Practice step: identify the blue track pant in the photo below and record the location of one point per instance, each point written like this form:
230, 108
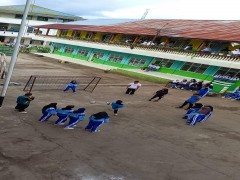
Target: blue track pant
93, 125
45, 116
70, 87
73, 122
62, 118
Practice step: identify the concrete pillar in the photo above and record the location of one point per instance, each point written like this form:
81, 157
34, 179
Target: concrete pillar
47, 32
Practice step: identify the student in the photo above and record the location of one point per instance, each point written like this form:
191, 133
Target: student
75, 117
117, 105
132, 87
96, 120
234, 95
195, 108
159, 94
194, 98
72, 85
197, 96
63, 114
23, 102
48, 111
200, 116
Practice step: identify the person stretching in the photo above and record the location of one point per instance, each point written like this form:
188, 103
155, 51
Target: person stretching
96, 120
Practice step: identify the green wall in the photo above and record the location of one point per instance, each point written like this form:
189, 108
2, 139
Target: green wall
207, 75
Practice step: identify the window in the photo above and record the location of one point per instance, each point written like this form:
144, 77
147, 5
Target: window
223, 71
186, 66
194, 67
57, 47
40, 18
202, 68
229, 72
99, 55
82, 52
163, 62
115, 58
20, 16
137, 62
69, 50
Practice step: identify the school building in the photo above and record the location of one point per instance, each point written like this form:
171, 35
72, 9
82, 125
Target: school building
139, 43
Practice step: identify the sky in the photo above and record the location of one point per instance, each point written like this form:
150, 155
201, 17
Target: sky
134, 9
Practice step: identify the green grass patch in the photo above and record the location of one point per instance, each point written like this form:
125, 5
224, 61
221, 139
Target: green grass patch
139, 76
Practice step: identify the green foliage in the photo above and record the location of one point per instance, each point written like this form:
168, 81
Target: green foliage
43, 49
139, 76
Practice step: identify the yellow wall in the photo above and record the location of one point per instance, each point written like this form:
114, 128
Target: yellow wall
69, 33
196, 43
164, 39
231, 48
98, 36
83, 34
117, 37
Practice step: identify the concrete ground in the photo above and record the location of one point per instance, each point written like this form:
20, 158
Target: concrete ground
146, 141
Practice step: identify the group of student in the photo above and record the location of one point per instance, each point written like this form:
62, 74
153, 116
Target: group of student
192, 84
225, 78
76, 116
235, 95
69, 117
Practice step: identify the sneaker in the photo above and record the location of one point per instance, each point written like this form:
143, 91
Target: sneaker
24, 112
115, 114
68, 128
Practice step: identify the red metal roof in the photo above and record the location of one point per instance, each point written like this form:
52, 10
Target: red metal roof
225, 30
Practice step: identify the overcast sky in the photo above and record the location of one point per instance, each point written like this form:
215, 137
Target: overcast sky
134, 9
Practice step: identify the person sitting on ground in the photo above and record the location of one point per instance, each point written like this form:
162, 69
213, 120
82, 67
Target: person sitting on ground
188, 47
182, 84
195, 108
132, 87
173, 84
159, 94
234, 95
116, 106
48, 111
75, 117
63, 114
23, 102
199, 116
72, 85
96, 120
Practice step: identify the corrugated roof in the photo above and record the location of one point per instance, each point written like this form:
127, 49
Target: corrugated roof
100, 22
195, 29
37, 11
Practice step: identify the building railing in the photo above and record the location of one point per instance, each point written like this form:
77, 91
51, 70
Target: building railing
174, 50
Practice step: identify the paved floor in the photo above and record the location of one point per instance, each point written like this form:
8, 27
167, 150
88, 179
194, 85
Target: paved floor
106, 67
146, 141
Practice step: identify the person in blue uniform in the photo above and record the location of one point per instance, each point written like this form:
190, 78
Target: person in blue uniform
75, 117
199, 116
195, 108
96, 120
48, 111
72, 85
63, 114
116, 106
197, 96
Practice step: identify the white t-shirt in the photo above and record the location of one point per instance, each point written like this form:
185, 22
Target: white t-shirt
134, 86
